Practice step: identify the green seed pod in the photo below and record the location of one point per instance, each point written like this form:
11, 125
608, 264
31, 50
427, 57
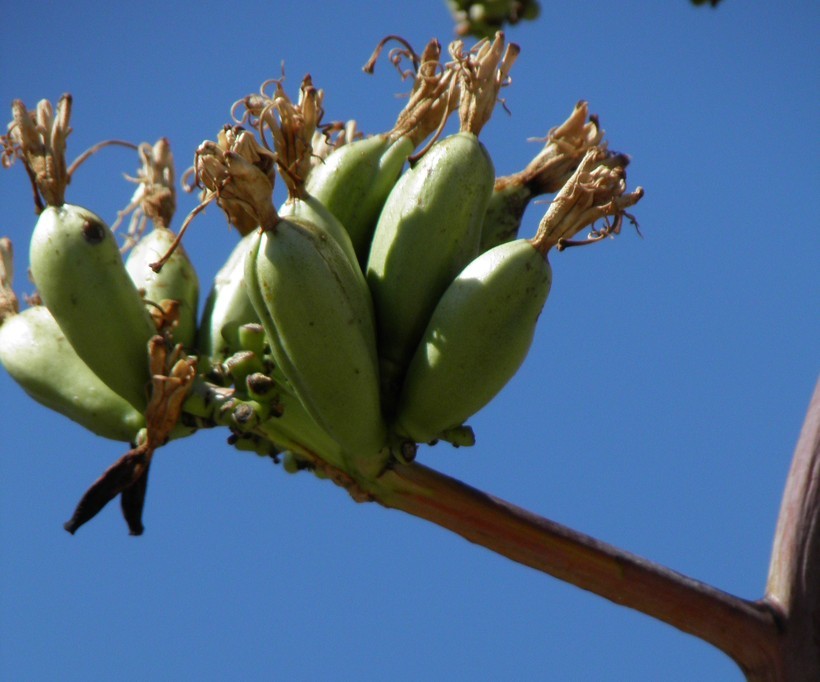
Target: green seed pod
505, 210
292, 127
476, 340
252, 338
298, 431
37, 355
177, 280
483, 325
319, 320
291, 463
228, 306
428, 231
354, 181
76, 265
309, 209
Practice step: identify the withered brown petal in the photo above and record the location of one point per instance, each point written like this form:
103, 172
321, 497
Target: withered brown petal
126, 471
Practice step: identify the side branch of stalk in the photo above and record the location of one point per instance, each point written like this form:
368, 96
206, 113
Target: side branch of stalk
774, 638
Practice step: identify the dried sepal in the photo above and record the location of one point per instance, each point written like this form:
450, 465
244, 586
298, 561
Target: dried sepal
9, 305
155, 196
38, 138
565, 146
482, 71
173, 374
330, 136
238, 173
595, 191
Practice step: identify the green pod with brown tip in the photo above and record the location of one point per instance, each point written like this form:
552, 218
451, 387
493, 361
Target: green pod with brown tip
318, 316
428, 231
37, 355
79, 273
477, 338
176, 281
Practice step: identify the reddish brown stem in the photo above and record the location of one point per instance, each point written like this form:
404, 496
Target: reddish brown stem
746, 631
774, 639
794, 575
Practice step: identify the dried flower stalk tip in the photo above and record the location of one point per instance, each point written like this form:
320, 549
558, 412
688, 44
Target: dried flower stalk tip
173, 374
431, 98
238, 173
565, 146
596, 190
38, 138
9, 305
155, 196
482, 72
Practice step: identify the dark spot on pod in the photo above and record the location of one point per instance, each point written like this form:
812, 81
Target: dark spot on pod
260, 384
243, 414
408, 451
93, 231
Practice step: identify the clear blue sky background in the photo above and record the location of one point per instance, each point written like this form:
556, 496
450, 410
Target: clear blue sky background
657, 410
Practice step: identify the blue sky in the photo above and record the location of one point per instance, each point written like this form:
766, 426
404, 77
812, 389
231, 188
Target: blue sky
657, 411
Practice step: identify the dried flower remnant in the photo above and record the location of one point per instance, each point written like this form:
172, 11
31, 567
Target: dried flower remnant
565, 146
236, 172
434, 92
482, 72
293, 127
172, 376
39, 139
330, 137
9, 304
155, 196
237, 154
595, 191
